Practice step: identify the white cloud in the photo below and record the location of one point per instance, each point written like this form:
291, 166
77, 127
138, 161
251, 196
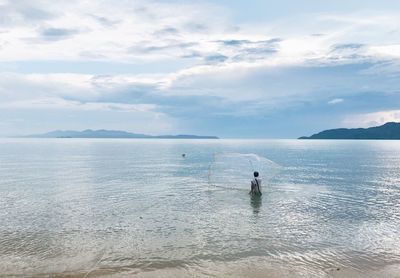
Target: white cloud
59, 103
335, 101
386, 50
129, 31
118, 31
372, 119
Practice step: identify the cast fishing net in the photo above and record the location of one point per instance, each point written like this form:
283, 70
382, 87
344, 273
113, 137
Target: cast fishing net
235, 170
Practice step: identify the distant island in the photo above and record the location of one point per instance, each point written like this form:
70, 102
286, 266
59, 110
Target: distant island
102, 133
388, 131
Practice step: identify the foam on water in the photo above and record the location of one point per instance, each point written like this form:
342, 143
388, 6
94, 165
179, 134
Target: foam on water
123, 207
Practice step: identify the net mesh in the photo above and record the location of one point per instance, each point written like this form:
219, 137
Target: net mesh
235, 170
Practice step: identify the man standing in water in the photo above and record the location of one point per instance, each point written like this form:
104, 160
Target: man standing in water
256, 185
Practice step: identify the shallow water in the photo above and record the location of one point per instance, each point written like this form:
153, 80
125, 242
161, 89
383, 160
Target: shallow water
71, 207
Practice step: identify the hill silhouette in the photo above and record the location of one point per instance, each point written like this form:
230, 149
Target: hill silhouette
102, 133
388, 131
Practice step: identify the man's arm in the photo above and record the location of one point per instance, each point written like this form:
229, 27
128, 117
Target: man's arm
251, 187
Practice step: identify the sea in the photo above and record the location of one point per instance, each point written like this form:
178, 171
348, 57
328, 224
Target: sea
138, 208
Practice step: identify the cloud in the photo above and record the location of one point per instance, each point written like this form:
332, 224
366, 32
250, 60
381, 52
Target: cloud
167, 31
389, 51
20, 13
234, 42
104, 20
167, 49
276, 83
256, 89
60, 103
348, 46
144, 30
217, 58
335, 101
372, 119
56, 34
119, 32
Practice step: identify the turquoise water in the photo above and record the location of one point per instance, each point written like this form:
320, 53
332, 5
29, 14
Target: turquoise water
76, 207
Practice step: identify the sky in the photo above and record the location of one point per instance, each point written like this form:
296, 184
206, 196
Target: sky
234, 69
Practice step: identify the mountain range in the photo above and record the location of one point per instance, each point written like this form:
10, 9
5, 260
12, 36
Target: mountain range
102, 133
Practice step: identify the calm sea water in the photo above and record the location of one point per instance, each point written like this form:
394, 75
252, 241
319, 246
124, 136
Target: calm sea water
91, 207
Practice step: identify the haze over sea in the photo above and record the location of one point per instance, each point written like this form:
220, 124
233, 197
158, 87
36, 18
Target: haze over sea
117, 207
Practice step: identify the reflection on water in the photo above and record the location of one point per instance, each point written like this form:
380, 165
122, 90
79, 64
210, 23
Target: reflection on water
128, 207
256, 203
